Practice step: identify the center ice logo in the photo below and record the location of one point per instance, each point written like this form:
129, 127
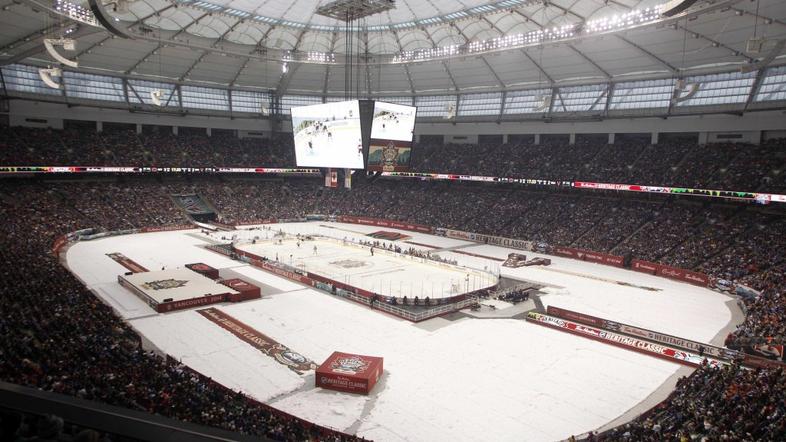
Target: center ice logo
164, 284
350, 365
349, 263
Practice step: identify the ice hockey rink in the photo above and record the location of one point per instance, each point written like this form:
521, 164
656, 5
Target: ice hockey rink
465, 379
385, 272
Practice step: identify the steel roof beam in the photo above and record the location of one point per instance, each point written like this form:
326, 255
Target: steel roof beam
142, 60
649, 54
755, 87
406, 65
185, 28
286, 78
93, 46
714, 42
239, 72
444, 64
758, 16
485, 61
152, 14
565, 11
592, 62
222, 36
193, 65
327, 68
33, 36
540, 68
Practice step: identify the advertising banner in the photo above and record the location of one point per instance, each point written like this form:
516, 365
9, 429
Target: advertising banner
167, 228
384, 223
662, 338
619, 340
589, 256
283, 355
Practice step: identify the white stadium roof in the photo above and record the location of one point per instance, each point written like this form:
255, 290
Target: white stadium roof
422, 47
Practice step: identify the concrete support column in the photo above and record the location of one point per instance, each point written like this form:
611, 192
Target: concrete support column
174, 130
537, 139
138, 128
654, 139
209, 131
572, 139
703, 137
611, 138
756, 137
99, 126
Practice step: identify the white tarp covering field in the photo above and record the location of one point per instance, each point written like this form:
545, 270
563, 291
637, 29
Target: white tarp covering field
462, 380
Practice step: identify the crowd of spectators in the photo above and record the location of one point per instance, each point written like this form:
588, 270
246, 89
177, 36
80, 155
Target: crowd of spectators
57, 336
729, 403
673, 161
20, 146
64, 339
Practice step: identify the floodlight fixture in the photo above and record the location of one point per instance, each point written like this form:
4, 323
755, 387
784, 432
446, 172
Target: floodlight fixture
450, 111
680, 88
542, 103
155, 96
46, 75
69, 44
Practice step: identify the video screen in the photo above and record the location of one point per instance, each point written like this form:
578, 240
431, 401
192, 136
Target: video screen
390, 148
393, 122
328, 135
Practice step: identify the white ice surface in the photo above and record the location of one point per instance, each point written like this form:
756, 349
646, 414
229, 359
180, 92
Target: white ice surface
469, 380
386, 273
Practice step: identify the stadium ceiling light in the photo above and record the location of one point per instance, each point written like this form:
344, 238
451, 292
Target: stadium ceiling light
542, 103
46, 75
155, 97
69, 44
450, 111
616, 22
680, 87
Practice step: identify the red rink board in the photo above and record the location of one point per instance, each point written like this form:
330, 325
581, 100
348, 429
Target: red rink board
349, 373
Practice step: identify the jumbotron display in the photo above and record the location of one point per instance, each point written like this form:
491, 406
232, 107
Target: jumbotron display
392, 131
328, 135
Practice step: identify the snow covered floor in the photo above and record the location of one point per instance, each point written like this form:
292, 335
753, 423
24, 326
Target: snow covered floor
465, 380
675, 308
